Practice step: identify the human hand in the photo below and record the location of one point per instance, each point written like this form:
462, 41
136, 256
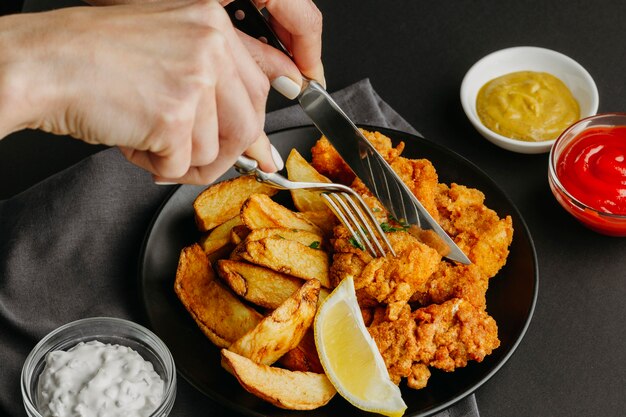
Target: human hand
298, 24
170, 83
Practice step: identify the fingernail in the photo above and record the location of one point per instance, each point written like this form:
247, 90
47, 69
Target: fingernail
286, 86
164, 183
278, 160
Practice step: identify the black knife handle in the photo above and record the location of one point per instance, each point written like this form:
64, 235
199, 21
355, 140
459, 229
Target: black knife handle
248, 19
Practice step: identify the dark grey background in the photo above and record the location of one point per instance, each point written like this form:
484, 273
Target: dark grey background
572, 360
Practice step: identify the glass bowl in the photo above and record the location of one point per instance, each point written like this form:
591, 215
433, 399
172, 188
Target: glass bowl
106, 330
526, 58
597, 220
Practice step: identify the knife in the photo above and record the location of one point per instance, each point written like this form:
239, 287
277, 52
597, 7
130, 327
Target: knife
347, 139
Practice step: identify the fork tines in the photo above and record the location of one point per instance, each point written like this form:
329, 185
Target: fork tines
357, 217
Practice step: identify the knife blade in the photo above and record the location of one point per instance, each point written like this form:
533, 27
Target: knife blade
347, 139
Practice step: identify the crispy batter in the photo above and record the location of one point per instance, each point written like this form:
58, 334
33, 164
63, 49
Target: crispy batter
327, 161
421, 178
454, 281
476, 229
453, 333
389, 280
444, 336
397, 343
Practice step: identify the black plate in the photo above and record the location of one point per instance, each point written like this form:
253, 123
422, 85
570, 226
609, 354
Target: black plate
510, 300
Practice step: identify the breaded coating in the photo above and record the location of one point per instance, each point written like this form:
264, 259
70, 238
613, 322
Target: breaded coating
421, 178
397, 343
327, 161
452, 326
453, 333
476, 229
389, 280
452, 280
383, 145
445, 336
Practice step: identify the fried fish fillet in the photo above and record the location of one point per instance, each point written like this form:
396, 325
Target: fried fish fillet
327, 161
444, 336
476, 229
421, 178
388, 280
454, 281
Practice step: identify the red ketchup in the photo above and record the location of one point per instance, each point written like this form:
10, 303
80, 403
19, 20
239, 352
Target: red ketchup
593, 168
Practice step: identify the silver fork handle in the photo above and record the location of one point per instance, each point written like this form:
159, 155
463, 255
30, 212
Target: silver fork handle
249, 166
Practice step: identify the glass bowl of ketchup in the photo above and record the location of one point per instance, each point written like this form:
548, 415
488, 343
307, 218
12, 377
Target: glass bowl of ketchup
587, 172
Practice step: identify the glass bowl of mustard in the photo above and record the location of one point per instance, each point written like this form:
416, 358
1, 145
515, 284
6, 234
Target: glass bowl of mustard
587, 172
101, 366
523, 98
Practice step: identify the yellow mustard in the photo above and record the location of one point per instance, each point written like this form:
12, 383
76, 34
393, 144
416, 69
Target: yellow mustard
527, 105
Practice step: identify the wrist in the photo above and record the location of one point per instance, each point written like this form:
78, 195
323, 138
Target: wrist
22, 98
11, 81
29, 90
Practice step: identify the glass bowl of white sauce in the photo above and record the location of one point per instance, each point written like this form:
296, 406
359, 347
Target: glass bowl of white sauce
100, 366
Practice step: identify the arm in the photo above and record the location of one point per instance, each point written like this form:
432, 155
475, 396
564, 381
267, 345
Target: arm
169, 83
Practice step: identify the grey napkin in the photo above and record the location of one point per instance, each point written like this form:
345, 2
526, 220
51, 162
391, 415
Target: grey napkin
69, 249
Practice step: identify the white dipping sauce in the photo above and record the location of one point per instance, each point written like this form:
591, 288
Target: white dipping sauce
94, 379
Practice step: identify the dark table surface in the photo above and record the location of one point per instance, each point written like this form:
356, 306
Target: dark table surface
573, 358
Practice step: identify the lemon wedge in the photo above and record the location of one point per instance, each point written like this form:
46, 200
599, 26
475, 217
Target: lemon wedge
350, 357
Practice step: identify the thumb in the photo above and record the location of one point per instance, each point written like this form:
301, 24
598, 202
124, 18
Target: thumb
278, 67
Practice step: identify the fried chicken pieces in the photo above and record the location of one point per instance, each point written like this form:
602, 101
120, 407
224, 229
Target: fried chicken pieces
422, 310
445, 336
389, 280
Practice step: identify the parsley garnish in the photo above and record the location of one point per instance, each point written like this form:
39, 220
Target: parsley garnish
389, 228
315, 245
356, 243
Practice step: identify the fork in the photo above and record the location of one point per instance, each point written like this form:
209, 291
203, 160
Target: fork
343, 201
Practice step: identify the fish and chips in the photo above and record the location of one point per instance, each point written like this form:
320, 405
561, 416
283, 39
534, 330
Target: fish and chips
255, 280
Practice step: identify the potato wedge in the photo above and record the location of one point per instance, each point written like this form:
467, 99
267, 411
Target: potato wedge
288, 257
280, 387
298, 169
217, 243
283, 329
259, 211
303, 357
220, 236
325, 220
213, 245
235, 255
257, 284
222, 253
238, 234
221, 316
223, 201
309, 239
